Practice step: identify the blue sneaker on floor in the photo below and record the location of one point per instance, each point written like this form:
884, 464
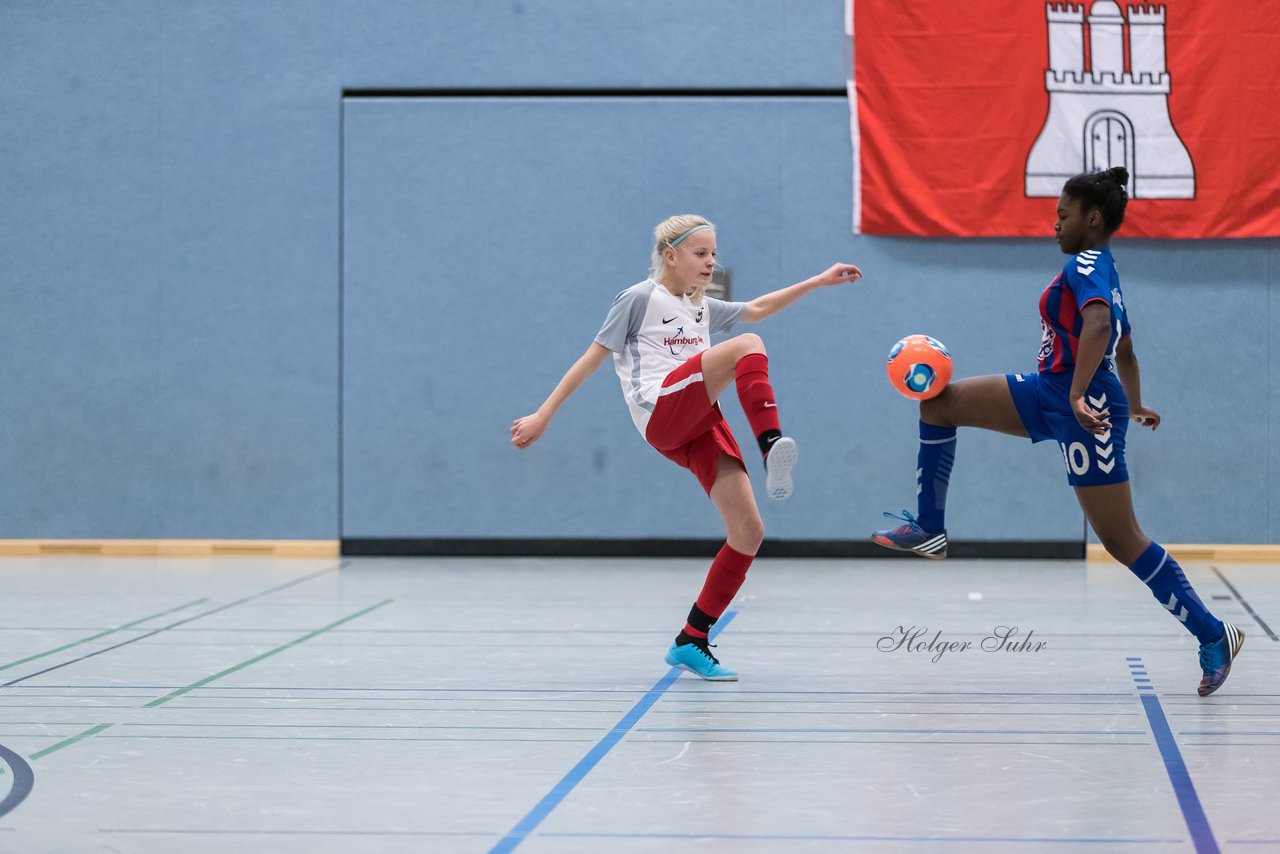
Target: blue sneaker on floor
912, 538
1216, 658
698, 660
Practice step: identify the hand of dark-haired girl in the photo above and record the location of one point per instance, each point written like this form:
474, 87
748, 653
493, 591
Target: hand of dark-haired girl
1146, 416
1095, 421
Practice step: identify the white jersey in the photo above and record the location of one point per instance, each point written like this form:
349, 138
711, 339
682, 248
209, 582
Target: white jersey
651, 333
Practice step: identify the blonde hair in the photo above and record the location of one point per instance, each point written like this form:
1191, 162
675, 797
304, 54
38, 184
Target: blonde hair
670, 231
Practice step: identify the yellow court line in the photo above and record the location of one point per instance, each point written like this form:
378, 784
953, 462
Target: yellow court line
1204, 553
169, 548
1247, 552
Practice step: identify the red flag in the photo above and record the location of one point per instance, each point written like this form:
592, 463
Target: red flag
968, 117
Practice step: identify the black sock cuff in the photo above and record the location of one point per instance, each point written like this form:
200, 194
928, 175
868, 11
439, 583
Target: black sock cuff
701, 620
766, 439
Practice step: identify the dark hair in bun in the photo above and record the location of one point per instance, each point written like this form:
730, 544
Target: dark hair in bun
1104, 191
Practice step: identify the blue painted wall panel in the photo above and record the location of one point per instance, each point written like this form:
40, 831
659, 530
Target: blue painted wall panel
1273, 390
1200, 316
169, 270
480, 262
594, 43
249, 240
169, 260
79, 273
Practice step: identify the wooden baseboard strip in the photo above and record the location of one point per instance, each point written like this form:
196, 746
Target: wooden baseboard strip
1186, 553
1204, 553
169, 548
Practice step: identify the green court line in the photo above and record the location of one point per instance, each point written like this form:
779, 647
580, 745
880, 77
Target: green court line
100, 635
67, 742
173, 695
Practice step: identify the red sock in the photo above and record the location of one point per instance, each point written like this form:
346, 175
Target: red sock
755, 393
724, 580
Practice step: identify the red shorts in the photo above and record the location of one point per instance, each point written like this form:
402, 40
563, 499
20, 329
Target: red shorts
687, 428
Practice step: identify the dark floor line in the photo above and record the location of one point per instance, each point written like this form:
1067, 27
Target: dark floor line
219, 831
868, 742
93, 702
799, 837
639, 690
104, 633
613, 710
89, 733
23, 780
891, 730
581, 92
1244, 604
154, 632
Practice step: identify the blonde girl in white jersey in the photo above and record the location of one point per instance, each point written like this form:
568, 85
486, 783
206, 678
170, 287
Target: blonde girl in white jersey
659, 332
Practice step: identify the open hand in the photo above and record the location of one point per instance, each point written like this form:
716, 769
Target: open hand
527, 430
1145, 416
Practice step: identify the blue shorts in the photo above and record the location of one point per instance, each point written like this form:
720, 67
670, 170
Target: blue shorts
1042, 403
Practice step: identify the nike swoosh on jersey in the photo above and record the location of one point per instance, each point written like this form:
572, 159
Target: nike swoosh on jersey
669, 319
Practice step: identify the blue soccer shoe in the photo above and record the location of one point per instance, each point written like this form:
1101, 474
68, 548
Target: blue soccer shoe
1216, 658
698, 660
912, 538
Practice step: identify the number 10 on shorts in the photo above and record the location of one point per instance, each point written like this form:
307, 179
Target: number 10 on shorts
1076, 456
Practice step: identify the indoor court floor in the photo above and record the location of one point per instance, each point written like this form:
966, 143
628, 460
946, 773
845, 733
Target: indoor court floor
477, 705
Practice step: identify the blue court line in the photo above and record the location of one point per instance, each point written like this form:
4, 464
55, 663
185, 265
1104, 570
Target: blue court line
561, 790
750, 837
1174, 765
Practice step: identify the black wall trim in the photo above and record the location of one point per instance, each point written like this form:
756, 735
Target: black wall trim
570, 547
547, 92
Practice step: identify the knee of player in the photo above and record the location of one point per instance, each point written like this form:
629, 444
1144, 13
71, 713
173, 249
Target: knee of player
749, 342
1124, 546
934, 410
750, 534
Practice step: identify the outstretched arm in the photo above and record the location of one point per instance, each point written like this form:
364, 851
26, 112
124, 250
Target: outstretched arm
1131, 379
774, 302
527, 430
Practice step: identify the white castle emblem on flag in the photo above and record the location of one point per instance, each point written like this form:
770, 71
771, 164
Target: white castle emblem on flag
1108, 116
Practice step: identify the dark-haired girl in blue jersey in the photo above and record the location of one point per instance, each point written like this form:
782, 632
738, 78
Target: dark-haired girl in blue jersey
1086, 390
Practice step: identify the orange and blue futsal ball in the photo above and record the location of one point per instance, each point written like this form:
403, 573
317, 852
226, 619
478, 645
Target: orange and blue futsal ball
919, 367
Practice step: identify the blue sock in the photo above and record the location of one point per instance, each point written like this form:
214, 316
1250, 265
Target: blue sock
933, 473
1157, 569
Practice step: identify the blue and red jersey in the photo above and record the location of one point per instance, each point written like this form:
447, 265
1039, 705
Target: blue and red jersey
1088, 277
